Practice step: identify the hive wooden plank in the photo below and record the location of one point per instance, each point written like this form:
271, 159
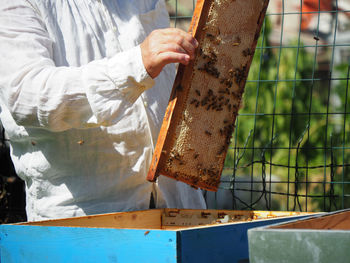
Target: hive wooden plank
206, 96
179, 236
320, 239
145, 219
177, 219
336, 221
164, 218
48, 244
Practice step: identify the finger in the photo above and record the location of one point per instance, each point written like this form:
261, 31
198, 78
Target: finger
177, 31
187, 36
190, 49
172, 47
173, 57
182, 42
191, 39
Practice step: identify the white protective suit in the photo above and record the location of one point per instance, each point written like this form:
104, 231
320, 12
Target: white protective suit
81, 113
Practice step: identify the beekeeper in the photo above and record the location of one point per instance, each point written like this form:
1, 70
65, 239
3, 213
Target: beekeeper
83, 89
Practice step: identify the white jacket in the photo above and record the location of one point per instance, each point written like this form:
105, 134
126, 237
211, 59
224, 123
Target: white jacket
81, 113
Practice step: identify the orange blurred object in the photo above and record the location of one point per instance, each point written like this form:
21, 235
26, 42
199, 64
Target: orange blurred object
310, 6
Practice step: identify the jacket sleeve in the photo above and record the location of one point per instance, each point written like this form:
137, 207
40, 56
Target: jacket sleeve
40, 94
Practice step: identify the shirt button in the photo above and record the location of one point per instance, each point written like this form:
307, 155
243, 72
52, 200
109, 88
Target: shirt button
145, 103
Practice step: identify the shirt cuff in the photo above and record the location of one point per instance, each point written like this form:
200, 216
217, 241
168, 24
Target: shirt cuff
114, 84
138, 80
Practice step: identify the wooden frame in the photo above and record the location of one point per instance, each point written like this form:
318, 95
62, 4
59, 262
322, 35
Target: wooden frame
206, 96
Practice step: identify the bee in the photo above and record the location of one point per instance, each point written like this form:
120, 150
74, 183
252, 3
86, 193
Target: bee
222, 149
146, 233
211, 70
81, 142
210, 36
217, 41
210, 55
227, 82
195, 180
193, 101
205, 214
231, 72
222, 91
237, 40
213, 56
239, 75
175, 156
204, 101
33, 143
247, 52
221, 215
207, 133
235, 107
235, 95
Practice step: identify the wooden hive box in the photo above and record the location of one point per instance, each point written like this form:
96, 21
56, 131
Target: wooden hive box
159, 235
319, 239
206, 96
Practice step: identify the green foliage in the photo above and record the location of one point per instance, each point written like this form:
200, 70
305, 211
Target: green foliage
293, 117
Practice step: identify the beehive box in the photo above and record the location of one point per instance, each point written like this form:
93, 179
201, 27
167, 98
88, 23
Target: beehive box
207, 93
318, 239
159, 235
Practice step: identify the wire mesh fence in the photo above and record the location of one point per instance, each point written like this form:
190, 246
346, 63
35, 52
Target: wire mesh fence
291, 146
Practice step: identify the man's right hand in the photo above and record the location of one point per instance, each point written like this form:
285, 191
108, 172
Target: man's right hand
164, 46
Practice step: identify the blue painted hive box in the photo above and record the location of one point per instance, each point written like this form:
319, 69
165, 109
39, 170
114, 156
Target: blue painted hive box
159, 235
322, 238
